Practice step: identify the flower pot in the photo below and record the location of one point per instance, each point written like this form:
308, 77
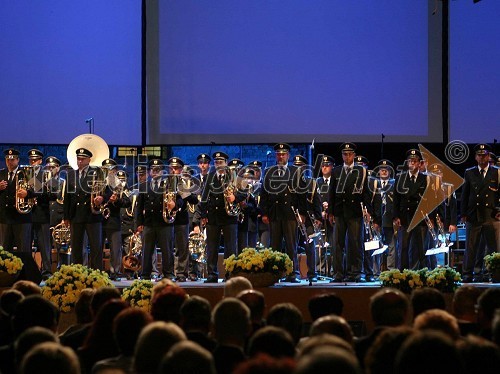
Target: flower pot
495, 276
259, 279
6, 279
66, 320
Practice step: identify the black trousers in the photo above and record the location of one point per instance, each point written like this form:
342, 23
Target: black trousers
285, 230
15, 235
42, 233
348, 243
230, 233
163, 236
94, 234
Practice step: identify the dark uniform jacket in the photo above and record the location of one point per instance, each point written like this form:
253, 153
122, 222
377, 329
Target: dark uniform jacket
150, 203
8, 212
383, 212
77, 207
113, 223
280, 193
407, 196
480, 196
348, 191
212, 205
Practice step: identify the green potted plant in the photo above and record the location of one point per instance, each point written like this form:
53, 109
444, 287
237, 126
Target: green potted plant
10, 266
263, 267
492, 264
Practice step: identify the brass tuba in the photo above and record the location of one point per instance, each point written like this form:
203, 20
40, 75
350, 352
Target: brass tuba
169, 195
24, 174
234, 208
132, 260
197, 247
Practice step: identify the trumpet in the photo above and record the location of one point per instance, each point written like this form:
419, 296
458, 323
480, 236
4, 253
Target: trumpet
300, 223
24, 205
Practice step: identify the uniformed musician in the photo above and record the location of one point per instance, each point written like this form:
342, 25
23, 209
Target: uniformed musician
324, 183
216, 209
153, 208
82, 214
409, 190
349, 190
41, 211
279, 197
479, 206
15, 227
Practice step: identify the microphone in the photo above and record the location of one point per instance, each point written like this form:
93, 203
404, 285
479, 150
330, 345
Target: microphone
89, 119
268, 153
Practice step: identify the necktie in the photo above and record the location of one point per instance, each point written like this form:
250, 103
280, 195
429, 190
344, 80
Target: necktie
483, 172
327, 181
11, 176
281, 172
221, 178
82, 175
413, 178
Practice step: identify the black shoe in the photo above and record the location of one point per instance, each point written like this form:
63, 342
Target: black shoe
193, 277
181, 278
292, 279
46, 276
360, 280
336, 280
349, 279
370, 278
313, 279
146, 277
211, 279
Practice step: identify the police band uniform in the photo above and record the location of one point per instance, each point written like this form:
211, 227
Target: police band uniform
479, 207
150, 221
409, 189
349, 190
15, 227
78, 211
213, 212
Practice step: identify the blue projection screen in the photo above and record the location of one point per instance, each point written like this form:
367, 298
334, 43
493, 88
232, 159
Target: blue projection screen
474, 71
64, 61
253, 71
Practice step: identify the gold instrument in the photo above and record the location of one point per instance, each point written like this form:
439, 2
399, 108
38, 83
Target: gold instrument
300, 223
24, 174
169, 196
430, 227
116, 186
130, 212
132, 260
442, 237
373, 238
318, 233
97, 189
60, 200
197, 247
61, 234
232, 209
